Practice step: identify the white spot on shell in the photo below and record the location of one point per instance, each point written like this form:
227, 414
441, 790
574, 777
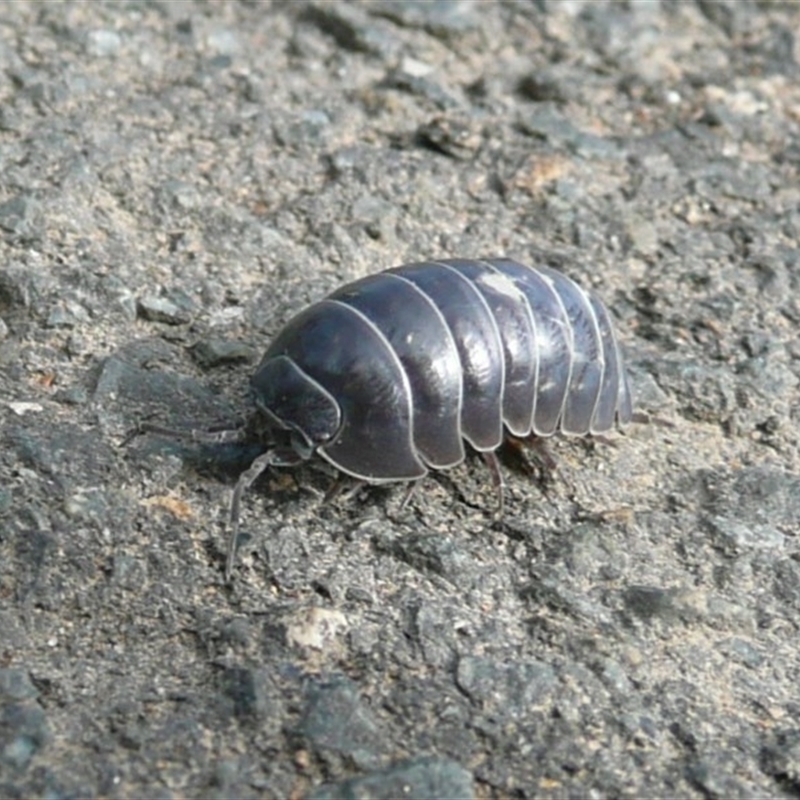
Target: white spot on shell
500, 283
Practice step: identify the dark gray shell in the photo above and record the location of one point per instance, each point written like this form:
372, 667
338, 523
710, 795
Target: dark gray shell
388, 376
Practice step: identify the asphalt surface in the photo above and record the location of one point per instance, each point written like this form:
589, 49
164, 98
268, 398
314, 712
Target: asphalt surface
176, 181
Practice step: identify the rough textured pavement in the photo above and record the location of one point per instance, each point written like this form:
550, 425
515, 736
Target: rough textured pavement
176, 180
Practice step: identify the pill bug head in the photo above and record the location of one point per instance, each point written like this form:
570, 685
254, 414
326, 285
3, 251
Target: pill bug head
294, 417
295, 409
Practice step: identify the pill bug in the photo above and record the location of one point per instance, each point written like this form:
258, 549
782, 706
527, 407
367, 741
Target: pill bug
391, 375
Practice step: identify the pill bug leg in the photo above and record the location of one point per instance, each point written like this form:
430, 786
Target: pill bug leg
531, 457
547, 461
408, 493
645, 418
492, 462
346, 487
276, 457
235, 435
342, 486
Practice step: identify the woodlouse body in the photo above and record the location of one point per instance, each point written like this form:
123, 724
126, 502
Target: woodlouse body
388, 376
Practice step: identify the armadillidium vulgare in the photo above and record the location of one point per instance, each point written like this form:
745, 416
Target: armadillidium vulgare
390, 375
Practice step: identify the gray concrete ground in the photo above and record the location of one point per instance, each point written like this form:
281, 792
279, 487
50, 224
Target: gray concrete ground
176, 180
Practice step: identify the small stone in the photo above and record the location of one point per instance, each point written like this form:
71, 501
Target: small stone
316, 628
159, 309
17, 214
15, 684
103, 43
327, 705
455, 137
223, 42
378, 216
215, 352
